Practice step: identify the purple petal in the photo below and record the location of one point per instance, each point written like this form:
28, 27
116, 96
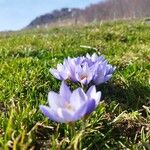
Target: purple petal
92, 94
101, 58
94, 67
85, 67
76, 76
64, 75
49, 113
99, 79
84, 75
105, 62
80, 112
88, 56
94, 57
78, 71
55, 100
78, 98
79, 60
107, 77
111, 70
65, 115
74, 116
90, 106
55, 73
91, 91
97, 97
60, 67
65, 91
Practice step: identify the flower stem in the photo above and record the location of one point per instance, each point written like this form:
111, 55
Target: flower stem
84, 122
84, 87
72, 129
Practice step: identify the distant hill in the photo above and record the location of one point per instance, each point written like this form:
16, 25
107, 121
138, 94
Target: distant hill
55, 17
106, 10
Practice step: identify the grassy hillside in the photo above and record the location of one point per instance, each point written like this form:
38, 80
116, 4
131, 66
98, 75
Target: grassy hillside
122, 120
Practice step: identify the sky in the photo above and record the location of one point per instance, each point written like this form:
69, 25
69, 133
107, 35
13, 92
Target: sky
16, 14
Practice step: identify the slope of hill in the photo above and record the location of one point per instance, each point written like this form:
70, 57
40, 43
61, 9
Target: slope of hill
106, 10
120, 122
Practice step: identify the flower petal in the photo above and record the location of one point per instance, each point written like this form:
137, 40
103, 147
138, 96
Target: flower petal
78, 98
55, 100
106, 78
92, 94
94, 57
97, 97
80, 112
55, 73
99, 77
90, 106
65, 91
91, 91
48, 112
65, 115
99, 80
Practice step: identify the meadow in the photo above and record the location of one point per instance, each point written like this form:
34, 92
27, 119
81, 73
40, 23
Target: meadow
121, 121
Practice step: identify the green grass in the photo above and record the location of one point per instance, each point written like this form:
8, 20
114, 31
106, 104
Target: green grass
121, 121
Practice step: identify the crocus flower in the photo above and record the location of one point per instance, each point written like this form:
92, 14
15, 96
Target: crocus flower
103, 73
87, 69
84, 74
67, 69
70, 106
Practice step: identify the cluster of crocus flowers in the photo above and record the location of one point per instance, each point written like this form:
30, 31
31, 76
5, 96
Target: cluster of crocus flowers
67, 106
89, 69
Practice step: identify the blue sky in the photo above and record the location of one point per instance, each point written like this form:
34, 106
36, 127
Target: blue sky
16, 14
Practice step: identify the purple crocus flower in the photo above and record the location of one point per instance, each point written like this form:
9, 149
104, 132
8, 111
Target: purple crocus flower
83, 74
61, 73
67, 69
70, 106
103, 73
87, 69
